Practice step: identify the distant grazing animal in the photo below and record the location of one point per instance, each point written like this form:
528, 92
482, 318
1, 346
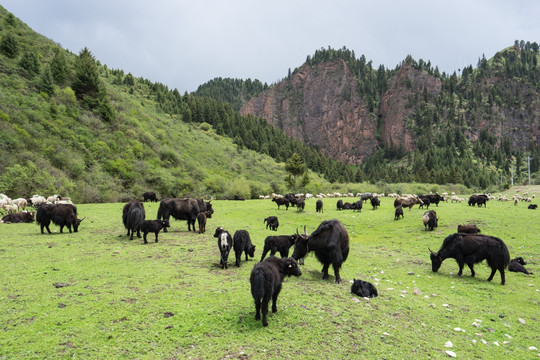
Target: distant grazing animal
425, 202
471, 249
280, 243
348, 206
133, 214
407, 201
60, 214
281, 201
242, 244
319, 206
435, 199
430, 220
21, 203
292, 199
53, 198
225, 242
272, 222
201, 220
468, 229
18, 217
329, 242
149, 196
532, 206
375, 203
36, 200
357, 206
398, 212
10, 208
516, 265
266, 281
238, 197
154, 226
363, 288
339, 204
366, 196
300, 205
478, 200
183, 209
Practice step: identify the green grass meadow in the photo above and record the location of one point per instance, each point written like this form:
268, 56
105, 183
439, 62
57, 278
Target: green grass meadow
171, 300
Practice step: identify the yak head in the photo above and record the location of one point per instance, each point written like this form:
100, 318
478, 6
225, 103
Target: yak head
290, 267
77, 223
251, 250
300, 244
436, 260
165, 223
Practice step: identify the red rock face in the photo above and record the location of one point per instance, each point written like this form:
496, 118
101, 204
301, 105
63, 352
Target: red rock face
320, 106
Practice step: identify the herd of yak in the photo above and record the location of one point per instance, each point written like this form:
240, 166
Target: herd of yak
329, 242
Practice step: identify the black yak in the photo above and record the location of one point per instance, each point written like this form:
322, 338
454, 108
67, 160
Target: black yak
330, 243
430, 220
154, 226
300, 204
339, 204
398, 212
280, 243
516, 265
60, 214
18, 217
319, 206
532, 206
266, 281
281, 201
375, 202
242, 244
183, 209
468, 229
149, 196
272, 222
363, 288
225, 242
133, 214
471, 249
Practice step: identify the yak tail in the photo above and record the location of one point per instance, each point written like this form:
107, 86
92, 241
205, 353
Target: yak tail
258, 281
160, 211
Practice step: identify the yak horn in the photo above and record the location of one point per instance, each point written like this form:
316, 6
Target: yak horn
305, 231
431, 251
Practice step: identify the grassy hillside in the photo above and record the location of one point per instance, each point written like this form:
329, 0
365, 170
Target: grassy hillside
171, 300
128, 137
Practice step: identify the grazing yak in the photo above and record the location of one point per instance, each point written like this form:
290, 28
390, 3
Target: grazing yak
281, 201
375, 202
59, 214
201, 220
225, 243
407, 201
478, 200
183, 209
300, 205
532, 206
329, 242
364, 289
516, 265
339, 204
242, 244
319, 206
398, 212
430, 220
149, 196
468, 229
154, 226
366, 196
280, 243
266, 281
133, 214
18, 217
471, 249
272, 222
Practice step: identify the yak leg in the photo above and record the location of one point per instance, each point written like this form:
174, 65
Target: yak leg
265, 251
257, 309
471, 266
131, 236
284, 253
274, 299
501, 271
325, 271
156, 235
493, 270
336, 273
265, 302
69, 228
460, 264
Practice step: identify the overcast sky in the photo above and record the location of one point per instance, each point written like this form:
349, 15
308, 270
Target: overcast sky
184, 44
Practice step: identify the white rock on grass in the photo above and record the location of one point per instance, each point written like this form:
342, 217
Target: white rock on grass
533, 348
522, 321
450, 353
449, 344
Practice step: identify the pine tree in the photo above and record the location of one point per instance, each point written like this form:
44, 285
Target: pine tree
59, 68
29, 62
296, 167
87, 85
46, 83
9, 46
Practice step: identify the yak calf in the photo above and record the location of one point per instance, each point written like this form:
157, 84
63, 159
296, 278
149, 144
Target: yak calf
272, 222
154, 226
363, 288
225, 242
516, 265
266, 281
242, 244
281, 244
